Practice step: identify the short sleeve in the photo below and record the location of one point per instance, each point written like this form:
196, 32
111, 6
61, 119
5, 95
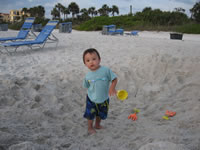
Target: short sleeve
85, 83
112, 75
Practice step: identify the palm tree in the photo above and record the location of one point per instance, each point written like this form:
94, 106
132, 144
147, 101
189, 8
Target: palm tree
106, 10
96, 12
114, 10
62, 9
55, 13
100, 11
179, 9
91, 11
85, 13
73, 8
66, 12
59, 6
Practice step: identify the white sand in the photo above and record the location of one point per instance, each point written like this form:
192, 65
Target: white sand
42, 100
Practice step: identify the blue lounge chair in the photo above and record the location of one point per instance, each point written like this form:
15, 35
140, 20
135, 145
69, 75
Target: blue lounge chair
111, 30
45, 36
108, 29
23, 33
134, 33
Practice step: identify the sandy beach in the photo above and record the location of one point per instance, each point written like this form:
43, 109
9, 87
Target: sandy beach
42, 100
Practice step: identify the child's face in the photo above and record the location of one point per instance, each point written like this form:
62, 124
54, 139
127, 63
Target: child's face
92, 61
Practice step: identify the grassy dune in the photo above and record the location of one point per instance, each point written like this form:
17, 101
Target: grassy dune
133, 23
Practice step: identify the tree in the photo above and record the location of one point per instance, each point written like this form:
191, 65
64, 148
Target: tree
158, 17
91, 11
147, 9
59, 6
179, 9
55, 13
85, 13
38, 11
95, 12
146, 13
25, 12
66, 12
195, 11
41, 11
73, 8
101, 11
62, 10
105, 10
114, 10
178, 18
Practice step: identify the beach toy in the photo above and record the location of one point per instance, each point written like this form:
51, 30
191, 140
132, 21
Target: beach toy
136, 110
122, 94
165, 117
133, 117
170, 113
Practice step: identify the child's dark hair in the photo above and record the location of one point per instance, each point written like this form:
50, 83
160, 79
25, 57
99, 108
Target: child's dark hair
90, 50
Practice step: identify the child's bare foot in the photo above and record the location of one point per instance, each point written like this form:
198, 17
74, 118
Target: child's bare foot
91, 131
98, 127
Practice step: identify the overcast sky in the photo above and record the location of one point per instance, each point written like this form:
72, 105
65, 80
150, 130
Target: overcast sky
123, 5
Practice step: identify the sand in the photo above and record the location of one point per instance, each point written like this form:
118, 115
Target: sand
42, 100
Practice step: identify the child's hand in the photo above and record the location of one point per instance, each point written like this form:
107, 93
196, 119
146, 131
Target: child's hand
112, 92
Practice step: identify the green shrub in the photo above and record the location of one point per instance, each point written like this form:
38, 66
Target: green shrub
128, 23
16, 25
189, 28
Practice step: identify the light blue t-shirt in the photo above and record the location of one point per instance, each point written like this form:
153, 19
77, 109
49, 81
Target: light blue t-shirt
98, 82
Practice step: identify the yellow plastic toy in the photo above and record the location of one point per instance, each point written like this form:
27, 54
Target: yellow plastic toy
122, 94
165, 117
136, 110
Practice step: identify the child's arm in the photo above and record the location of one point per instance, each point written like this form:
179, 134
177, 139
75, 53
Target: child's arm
86, 83
112, 90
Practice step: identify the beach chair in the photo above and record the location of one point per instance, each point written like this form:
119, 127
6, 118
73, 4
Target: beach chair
134, 33
23, 33
108, 29
113, 31
45, 36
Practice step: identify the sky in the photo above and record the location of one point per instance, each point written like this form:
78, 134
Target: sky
123, 5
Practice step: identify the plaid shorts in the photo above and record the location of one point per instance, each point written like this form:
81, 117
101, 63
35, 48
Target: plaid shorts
92, 109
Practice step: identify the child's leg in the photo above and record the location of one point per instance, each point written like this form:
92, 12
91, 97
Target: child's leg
91, 130
102, 113
98, 122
